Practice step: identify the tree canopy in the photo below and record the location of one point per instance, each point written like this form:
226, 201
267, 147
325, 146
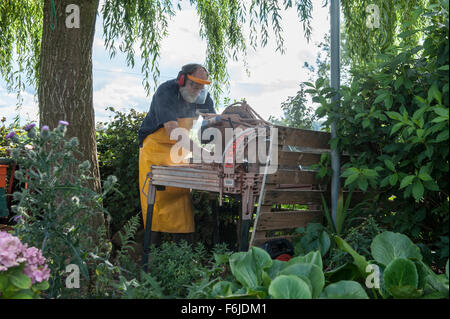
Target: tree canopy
125, 23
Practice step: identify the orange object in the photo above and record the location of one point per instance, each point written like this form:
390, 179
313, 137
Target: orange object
284, 257
3, 169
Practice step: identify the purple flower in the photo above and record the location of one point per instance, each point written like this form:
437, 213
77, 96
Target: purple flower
63, 123
10, 135
30, 126
17, 218
45, 128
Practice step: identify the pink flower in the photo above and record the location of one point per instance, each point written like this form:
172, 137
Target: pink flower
13, 253
63, 123
10, 251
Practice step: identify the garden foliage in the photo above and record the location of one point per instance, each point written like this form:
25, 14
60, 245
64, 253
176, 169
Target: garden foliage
118, 153
393, 122
54, 210
402, 274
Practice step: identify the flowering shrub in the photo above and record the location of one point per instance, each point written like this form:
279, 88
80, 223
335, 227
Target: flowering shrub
54, 212
23, 271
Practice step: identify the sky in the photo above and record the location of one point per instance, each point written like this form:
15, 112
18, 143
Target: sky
273, 76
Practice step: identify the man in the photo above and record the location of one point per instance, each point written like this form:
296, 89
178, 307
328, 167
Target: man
174, 105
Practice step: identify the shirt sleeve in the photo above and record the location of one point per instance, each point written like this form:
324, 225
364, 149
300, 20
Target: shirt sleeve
210, 104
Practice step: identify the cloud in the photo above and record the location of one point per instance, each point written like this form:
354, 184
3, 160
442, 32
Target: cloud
122, 93
27, 112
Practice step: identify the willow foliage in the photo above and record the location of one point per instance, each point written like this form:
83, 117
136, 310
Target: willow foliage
395, 17
20, 42
127, 23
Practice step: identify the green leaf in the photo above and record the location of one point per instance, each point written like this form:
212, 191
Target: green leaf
393, 179
247, 266
310, 271
389, 165
424, 176
395, 116
443, 136
388, 102
224, 288
363, 183
381, 97
407, 180
396, 127
401, 278
276, 267
431, 185
434, 93
347, 271
441, 111
389, 246
351, 179
44, 285
289, 287
398, 82
443, 68
360, 261
365, 123
344, 289
23, 294
21, 281
313, 257
417, 189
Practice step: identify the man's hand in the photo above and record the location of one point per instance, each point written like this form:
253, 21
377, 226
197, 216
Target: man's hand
185, 140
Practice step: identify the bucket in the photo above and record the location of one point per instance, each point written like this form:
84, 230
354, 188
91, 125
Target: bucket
3, 169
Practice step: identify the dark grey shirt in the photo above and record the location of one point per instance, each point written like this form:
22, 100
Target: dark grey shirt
168, 105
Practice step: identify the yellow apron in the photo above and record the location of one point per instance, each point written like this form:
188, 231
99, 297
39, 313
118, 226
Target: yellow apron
172, 212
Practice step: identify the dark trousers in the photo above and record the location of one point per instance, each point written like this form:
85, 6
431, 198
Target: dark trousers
155, 238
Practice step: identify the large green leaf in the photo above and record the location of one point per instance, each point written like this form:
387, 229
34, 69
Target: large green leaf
247, 267
344, 289
388, 246
313, 257
21, 281
289, 287
312, 272
360, 261
347, 271
224, 288
401, 278
272, 272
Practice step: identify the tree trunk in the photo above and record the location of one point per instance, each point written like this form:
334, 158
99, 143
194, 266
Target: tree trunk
65, 84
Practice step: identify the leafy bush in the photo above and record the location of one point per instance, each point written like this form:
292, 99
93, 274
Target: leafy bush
176, 266
118, 155
393, 122
55, 211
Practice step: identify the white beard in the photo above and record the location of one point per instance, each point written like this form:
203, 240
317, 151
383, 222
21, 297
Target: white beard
186, 96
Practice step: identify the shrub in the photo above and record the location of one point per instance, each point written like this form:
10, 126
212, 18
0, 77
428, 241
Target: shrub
55, 210
118, 155
393, 122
